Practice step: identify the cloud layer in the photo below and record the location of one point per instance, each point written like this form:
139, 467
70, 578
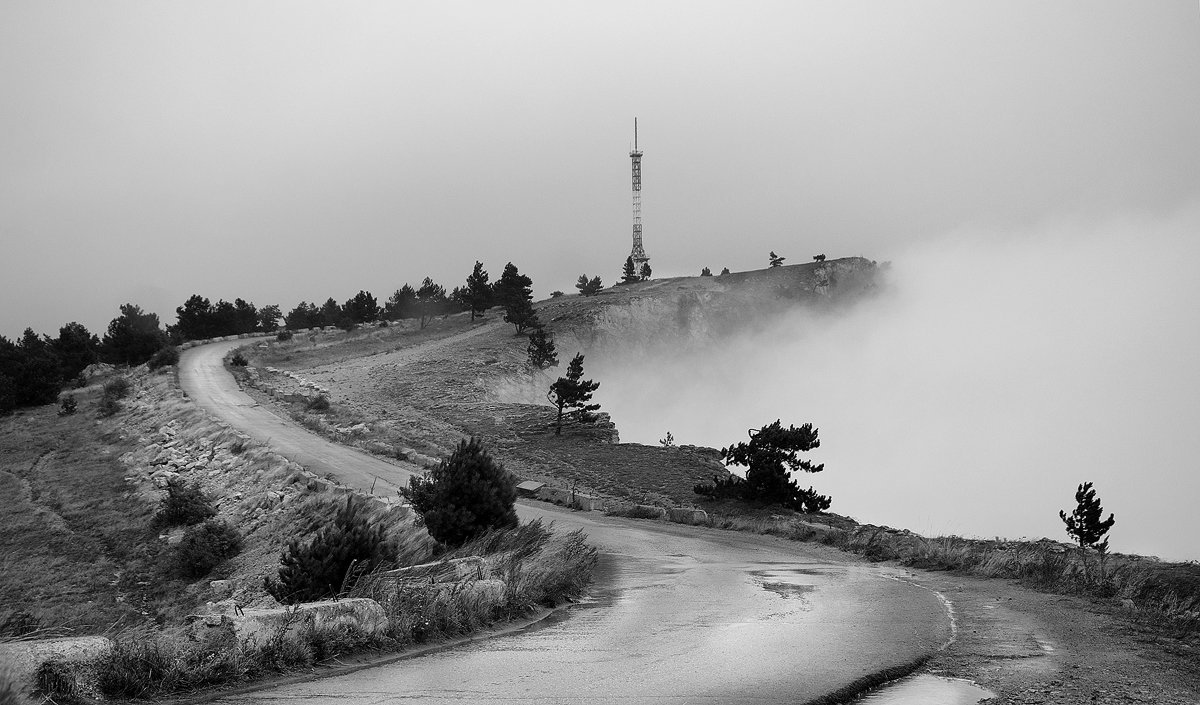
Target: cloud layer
996, 372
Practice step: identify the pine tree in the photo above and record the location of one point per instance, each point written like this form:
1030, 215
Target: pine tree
770, 458
1086, 528
724, 271
464, 496
305, 315
363, 308
520, 313
629, 272
132, 338
512, 286
333, 315
572, 393
541, 350
589, 287
776, 260
706, 272
321, 567
514, 292
268, 318
401, 304
430, 300
478, 293
645, 271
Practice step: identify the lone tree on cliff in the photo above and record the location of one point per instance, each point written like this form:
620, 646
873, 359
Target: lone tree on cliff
776, 260
464, 496
572, 393
770, 458
1086, 528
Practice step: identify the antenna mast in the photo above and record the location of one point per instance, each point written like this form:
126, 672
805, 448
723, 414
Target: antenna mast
639, 254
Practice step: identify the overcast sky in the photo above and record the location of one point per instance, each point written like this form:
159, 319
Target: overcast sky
1031, 168
299, 150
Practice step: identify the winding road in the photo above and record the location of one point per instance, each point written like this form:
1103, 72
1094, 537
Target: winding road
679, 614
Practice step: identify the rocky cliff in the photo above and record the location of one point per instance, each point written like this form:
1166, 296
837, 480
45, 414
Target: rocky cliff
696, 311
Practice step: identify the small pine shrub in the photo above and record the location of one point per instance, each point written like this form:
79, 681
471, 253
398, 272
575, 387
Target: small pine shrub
238, 359
185, 504
329, 562
464, 496
555, 294
204, 547
283, 336
320, 403
164, 358
68, 406
107, 406
117, 388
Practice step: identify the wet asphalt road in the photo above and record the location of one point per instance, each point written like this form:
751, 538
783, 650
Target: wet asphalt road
679, 614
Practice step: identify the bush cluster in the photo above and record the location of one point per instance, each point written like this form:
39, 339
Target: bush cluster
164, 358
328, 564
238, 359
115, 390
184, 504
205, 546
464, 496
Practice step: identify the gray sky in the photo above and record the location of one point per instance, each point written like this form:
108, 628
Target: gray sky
1030, 167
298, 150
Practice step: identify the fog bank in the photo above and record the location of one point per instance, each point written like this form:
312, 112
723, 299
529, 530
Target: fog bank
995, 372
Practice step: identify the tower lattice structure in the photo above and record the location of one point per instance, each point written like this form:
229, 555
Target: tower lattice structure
639, 253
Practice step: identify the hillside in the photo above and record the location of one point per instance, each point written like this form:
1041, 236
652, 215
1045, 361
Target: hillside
414, 393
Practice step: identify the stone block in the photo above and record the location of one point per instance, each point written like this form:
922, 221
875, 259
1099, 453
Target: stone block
587, 503
256, 625
684, 515
650, 511
23, 658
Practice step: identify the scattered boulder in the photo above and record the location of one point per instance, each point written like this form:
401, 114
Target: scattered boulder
687, 515
23, 658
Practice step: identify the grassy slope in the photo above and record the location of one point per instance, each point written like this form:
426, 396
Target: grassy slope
424, 408
78, 547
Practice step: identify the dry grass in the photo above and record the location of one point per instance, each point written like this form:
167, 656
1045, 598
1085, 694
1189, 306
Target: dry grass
537, 567
79, 552
534, 566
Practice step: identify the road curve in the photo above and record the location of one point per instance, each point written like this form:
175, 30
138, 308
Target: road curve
204, 379
679, 614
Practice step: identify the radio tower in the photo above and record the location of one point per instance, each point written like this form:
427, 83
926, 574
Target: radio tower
639, 254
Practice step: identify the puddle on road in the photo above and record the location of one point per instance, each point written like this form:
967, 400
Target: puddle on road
924, 689
787, 590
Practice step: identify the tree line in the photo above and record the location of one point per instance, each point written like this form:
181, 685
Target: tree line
35, 368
